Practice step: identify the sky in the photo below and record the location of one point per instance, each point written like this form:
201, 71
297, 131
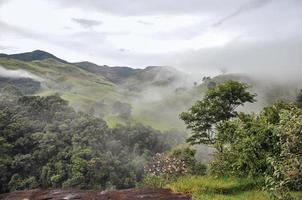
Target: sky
196, 36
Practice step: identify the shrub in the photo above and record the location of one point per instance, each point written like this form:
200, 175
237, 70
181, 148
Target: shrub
153, 181
166, 165
187, 155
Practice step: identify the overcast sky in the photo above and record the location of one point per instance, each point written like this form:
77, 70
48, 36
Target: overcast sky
193, 35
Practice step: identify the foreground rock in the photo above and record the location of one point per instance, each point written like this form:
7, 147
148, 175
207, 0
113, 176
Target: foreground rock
130, 194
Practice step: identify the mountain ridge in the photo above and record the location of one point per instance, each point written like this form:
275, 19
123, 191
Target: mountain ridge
32, 56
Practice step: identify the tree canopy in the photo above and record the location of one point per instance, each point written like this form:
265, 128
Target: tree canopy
45, 143
219, 104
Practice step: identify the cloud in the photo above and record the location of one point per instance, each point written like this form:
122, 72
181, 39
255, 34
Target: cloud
3, 2
147, 7
274, 59
4, 47
143, 32
12, 30
17, 74
87, 23
250, 6
145, 23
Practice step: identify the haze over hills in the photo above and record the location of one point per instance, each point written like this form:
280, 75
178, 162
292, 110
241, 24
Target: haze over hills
154, 95
90, 87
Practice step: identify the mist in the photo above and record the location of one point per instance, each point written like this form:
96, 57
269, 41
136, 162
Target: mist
18, 74
270, 60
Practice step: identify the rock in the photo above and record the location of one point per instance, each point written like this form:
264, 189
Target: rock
129, 194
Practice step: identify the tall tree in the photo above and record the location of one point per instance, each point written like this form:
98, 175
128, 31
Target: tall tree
218, 105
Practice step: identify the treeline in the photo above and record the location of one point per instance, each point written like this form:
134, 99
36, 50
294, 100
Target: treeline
19, 85
45, 143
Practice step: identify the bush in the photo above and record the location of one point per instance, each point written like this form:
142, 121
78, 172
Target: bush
19, 183
187, 155
199, 169
166, 165
75, 182
153, 181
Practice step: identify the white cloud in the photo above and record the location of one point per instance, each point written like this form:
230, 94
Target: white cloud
17, 74
142, 32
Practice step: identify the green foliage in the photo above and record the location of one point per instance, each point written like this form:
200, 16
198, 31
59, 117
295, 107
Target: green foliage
268, 144
18, 86
286, 166
153, 181
218, 105
243, 146
17, 182
250, 145
299, 99
11, 90
188, 156
164, 168
45, 143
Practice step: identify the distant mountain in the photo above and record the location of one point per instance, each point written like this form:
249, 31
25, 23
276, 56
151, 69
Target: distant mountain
32, 56
114, 74
133, 79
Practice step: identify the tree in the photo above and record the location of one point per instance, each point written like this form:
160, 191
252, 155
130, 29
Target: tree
218, 105
299, 99
11, 90
45, 143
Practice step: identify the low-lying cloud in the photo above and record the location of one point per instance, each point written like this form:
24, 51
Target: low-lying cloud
17, 74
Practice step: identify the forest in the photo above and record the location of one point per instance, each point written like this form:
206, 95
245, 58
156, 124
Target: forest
47, 144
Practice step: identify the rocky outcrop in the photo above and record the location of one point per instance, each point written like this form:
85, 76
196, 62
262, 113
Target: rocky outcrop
129, 194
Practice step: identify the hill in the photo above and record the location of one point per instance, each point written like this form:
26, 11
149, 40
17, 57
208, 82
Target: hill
154, 95
31, 56
113, 74
89, 87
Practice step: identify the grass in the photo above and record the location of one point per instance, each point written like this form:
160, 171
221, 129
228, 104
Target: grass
92, 93
211, 188
207, 187
113, 121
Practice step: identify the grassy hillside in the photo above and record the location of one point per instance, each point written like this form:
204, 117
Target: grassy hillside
157, 94
94, 89
82, 89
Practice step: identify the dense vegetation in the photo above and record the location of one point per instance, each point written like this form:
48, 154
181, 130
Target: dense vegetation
24, 85
45, 143
267, 144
